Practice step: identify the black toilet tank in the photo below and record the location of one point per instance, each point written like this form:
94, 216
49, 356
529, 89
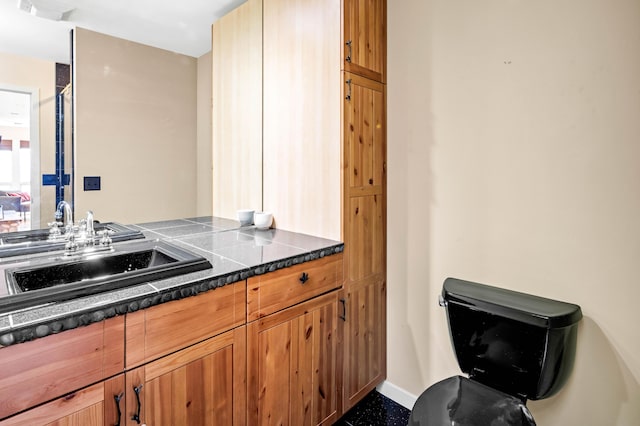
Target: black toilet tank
521, 344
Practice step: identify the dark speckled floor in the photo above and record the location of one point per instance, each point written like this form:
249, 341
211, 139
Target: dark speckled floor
375, 410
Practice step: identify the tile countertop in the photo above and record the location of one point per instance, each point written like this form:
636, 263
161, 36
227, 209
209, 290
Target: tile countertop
235, 253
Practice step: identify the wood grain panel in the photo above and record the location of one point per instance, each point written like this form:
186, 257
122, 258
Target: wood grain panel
364, 135
237, 110
92, 406
293, 365
365, 339
324, 363
365, 24
114, 387
301, 127
277, 290
160, 330
200, 385
74, 359
275, 374
364, 192
365, 246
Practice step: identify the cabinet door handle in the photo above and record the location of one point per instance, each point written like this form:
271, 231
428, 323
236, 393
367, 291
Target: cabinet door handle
348, 97
117, 398
343, 317
304, 278
137, 390
348, 58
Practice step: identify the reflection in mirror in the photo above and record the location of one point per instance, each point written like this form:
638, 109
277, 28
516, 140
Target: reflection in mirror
143, 125
136, 128
28, 133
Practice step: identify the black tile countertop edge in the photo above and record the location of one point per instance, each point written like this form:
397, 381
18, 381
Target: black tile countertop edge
151, 294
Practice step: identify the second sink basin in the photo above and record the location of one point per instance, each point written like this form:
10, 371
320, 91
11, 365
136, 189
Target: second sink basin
58, 278
39, 240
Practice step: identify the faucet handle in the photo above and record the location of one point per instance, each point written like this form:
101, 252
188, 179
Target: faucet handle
105, 237
54, 228
71, 245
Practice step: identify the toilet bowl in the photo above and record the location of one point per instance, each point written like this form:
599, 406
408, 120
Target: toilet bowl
513, 346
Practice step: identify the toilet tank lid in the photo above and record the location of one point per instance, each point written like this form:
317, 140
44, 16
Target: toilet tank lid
528, 308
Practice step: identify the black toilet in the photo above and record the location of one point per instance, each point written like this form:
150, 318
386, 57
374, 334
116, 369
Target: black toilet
513, 346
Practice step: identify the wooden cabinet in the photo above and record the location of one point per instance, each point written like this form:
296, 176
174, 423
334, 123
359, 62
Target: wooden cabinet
96, 405
365, 38
203, 384
73, 360
278, 290
191, 357
364, 200
194, 361
166, 328
324, 156
292, 359
364, 348
293, 344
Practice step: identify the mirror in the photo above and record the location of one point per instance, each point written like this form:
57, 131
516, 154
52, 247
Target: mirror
142, 125
28, 146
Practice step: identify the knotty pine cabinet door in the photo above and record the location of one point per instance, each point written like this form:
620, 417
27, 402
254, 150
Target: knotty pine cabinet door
203, 384
292, 365
365, 38
364, 234
97, 405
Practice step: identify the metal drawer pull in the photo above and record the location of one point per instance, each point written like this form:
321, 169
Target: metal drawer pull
304, 277
136, 416
343, 317
117, 399
348, 58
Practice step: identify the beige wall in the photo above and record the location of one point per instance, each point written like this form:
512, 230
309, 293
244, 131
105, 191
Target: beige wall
32, 73
136, 128
204, 165
514, 149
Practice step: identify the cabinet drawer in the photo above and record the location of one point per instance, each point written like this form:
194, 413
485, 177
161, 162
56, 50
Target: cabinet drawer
278, 290
163, 329
46, 368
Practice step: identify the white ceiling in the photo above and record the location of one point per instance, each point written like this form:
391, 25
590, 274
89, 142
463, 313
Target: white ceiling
14, 109
182, 26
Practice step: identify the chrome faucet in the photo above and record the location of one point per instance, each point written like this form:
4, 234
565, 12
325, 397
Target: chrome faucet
90, 230
63, 211
80, 238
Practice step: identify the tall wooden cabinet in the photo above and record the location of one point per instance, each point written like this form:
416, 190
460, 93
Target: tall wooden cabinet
324, 156
364, 196
364, 234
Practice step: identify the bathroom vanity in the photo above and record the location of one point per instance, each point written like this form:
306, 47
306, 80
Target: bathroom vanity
252, 340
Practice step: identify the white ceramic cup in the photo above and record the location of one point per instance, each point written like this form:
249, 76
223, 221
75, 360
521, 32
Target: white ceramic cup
245, 216
263, 220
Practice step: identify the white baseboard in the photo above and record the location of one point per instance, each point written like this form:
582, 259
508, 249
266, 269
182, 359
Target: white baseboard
397, 394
